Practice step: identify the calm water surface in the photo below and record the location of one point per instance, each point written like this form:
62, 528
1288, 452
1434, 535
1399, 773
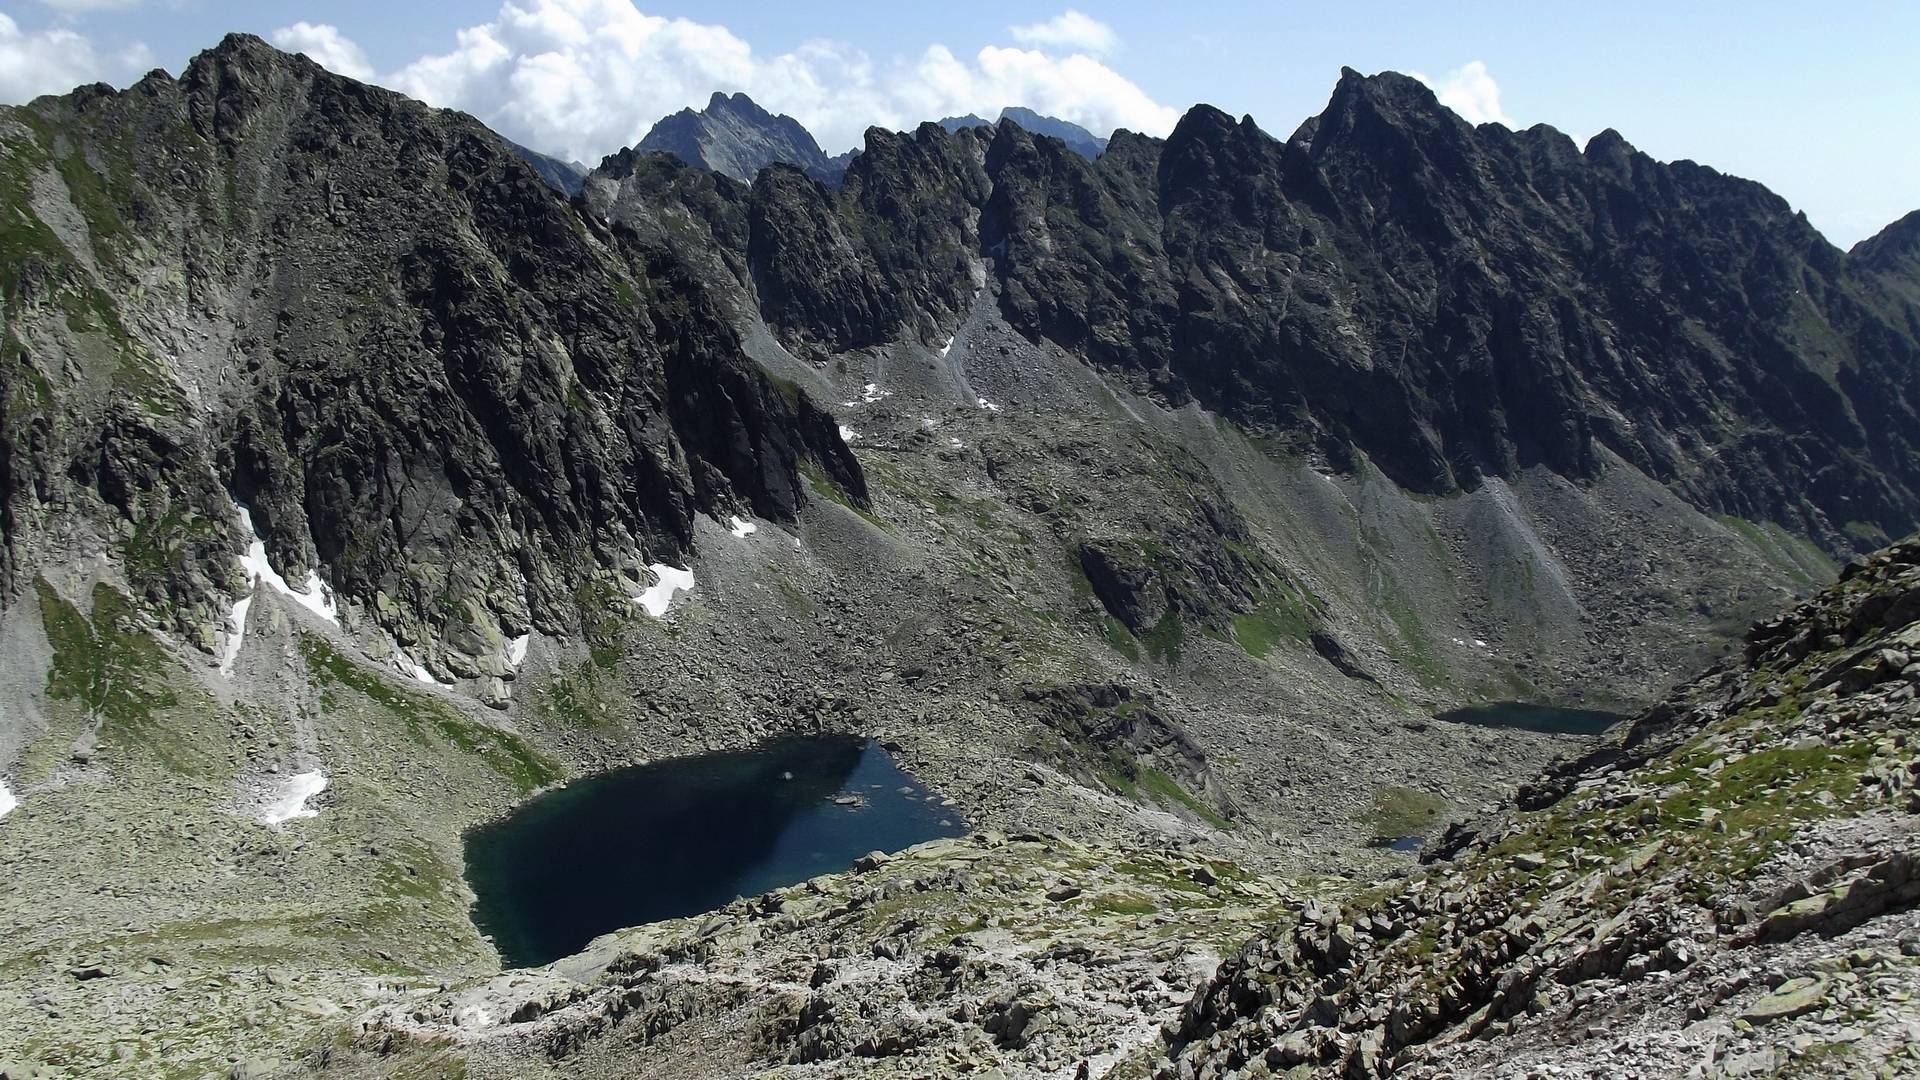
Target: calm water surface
1547, 718
680, 837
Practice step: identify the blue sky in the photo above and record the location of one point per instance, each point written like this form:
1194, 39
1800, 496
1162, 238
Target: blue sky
1819, 102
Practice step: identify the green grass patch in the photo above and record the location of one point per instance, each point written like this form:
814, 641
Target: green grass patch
428, 720
1404, 811
1280, 617
1867, 533
1119, 638
602, 620
158, 550
117, 674
1794, 555
574, 700
826, 489
1166, 639
796, 599
1121, 902
1146, 784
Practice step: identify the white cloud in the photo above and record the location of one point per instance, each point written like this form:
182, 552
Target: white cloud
583, 78
1470, 91
1069, 30
1074, 88
56, 60
325, 45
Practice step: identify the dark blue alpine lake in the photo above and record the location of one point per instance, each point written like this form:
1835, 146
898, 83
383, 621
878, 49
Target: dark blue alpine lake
688, 835
1547, 718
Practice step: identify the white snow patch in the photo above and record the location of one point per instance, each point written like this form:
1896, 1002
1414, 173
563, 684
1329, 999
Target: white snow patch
314, 595
1478, 644
741, 527
411, 668
988, 405
236, 630
7, 801
847, 434
517, 649
667, 581
290, 801
948, 347
871, 393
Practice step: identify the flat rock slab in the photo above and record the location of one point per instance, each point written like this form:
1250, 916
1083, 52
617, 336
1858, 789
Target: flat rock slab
1796, 997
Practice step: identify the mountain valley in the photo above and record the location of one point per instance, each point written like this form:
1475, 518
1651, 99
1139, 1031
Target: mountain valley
364, 475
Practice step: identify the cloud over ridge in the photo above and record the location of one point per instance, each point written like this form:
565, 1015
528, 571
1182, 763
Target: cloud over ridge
55, 60
1470, 91
583, 78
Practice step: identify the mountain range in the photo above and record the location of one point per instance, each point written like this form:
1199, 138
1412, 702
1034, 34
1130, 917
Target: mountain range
1078, 139
1154, 500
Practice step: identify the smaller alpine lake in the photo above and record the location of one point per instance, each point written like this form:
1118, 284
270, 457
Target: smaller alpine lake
1544, 718
687, 835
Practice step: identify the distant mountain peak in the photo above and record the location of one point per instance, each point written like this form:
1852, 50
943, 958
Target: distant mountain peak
1078, 139
736, 136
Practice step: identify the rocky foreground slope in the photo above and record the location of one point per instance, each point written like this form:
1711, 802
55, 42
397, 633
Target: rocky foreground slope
1729, 886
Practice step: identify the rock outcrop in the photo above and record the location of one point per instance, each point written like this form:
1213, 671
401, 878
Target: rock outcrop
1029, 954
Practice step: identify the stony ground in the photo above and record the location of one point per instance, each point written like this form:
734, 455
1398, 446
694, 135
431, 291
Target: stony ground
949, 621
1727, 888
1032, 954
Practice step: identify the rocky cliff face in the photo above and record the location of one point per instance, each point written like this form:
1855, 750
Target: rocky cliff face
737, 138
430, 380
1447, 302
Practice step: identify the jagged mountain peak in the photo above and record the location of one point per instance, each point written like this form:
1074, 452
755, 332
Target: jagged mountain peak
1207, 125
1365, 107
1390, 195
1610, 151
735, 136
